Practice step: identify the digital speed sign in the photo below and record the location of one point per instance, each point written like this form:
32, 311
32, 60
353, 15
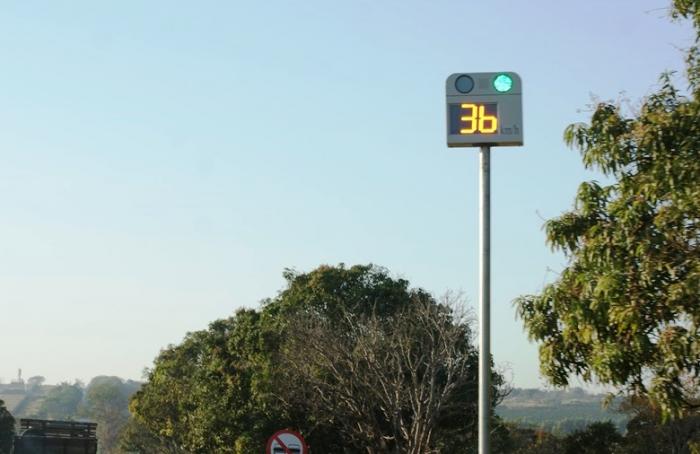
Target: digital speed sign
484, 109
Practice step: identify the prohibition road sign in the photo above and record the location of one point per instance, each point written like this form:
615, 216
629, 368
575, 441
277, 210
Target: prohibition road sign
286, 442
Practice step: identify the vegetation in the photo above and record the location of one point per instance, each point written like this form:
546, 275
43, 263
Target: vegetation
648, 434
7, 429
597, 438
61, 402
353, 358
106, 402
136, 438
626, 309
645, 432
404, 382
358, 361
34, 383
555, 424
559, 412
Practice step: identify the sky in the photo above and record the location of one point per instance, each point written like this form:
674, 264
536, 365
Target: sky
162, 162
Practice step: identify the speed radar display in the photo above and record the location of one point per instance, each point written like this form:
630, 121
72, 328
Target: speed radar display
484, 109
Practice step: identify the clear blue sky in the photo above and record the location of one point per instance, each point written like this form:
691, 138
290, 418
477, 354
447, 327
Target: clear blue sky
162, 162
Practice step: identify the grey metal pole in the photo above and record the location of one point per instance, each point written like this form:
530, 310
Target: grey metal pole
484, 298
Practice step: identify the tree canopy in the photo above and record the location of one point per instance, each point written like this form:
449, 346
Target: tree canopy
404, 382
106, 402
7, 429
626, 309
228, 388
61, 401
647, 433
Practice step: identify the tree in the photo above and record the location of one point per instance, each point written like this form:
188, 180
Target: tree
107, 403
404, 383
135, 438
527, 440
647, 433
228, 388
61, 401
34, 383
210, 392
597, 438
7, 429
626, 309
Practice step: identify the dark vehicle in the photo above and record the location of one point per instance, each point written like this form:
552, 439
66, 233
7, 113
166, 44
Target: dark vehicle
39, 436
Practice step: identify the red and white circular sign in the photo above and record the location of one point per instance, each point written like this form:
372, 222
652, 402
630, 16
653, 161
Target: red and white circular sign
286, 442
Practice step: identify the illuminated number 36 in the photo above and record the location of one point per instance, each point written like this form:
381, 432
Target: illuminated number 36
477, 120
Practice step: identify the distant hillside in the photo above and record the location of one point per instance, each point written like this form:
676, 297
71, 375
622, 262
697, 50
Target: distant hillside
23, 403
558, 411
12, 401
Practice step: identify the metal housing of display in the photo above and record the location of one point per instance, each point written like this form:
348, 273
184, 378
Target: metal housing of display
479, 114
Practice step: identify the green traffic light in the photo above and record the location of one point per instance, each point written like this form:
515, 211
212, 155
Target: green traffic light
503, 83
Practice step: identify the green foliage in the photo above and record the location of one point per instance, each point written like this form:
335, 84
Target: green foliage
135, 438
105, 400
34, 383
7, 429
224, 390
597, 438
627, 306
648, 433
107, 403
600, 437
645, 435
211, 389
526, 440
61, 402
